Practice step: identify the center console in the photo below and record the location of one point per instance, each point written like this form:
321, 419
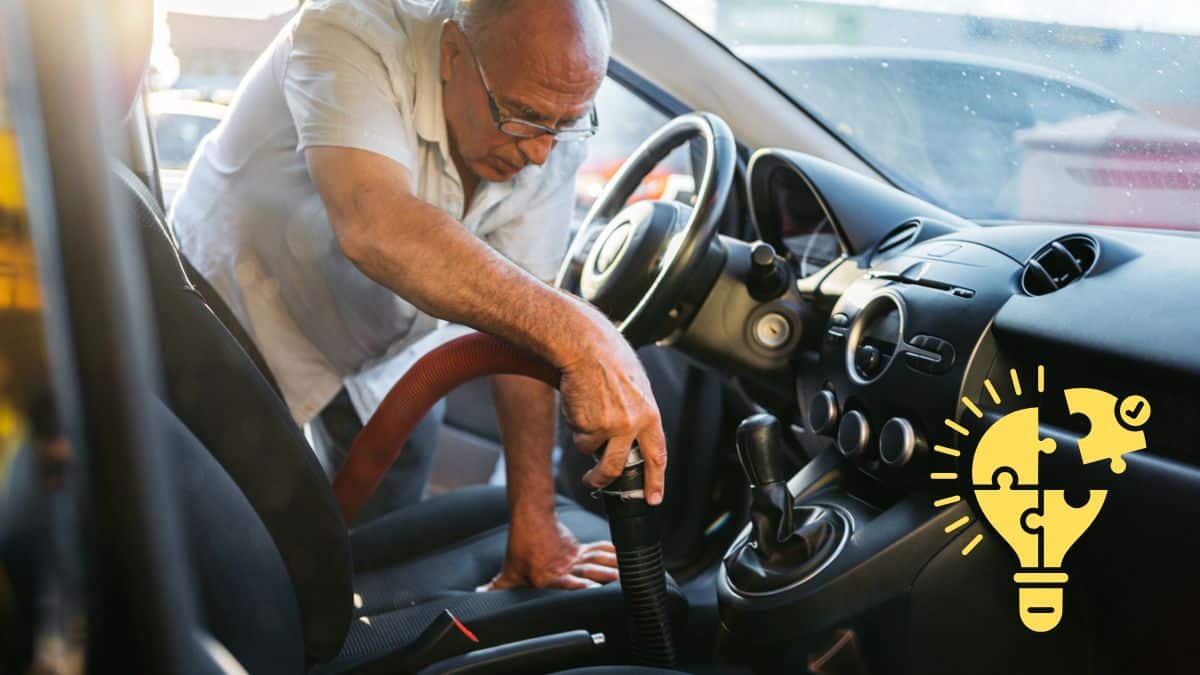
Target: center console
860, 558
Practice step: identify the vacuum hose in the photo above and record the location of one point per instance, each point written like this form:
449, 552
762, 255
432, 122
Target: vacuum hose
635, 534
429, 380
633, 523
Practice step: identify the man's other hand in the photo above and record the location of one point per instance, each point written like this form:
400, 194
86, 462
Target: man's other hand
606, 399
553, 558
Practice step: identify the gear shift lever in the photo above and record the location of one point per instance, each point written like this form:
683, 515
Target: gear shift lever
787, 544
759, 448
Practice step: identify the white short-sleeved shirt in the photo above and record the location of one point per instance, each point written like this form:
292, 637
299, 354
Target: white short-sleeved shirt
360, 74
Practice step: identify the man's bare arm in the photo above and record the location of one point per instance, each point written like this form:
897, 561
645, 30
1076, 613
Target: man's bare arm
429, 259
541, 553
415, 249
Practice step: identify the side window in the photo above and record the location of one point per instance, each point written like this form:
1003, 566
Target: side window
625, 121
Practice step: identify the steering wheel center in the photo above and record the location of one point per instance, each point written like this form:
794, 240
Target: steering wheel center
612, 246
635, 263
628, 255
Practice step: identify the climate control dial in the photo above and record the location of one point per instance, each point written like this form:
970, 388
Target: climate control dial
899, 442
854, 434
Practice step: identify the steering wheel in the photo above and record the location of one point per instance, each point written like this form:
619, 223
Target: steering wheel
635, 263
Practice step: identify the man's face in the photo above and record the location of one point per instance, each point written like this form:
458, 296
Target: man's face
550, 84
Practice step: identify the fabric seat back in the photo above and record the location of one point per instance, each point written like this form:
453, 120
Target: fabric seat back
220, 395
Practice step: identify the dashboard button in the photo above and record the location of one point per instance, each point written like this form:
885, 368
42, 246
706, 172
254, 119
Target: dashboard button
854, 433
837, 330
945, 350
919, 363
868, 359
926, 363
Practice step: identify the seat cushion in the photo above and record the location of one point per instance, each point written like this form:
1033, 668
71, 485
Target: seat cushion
412, 564
453, 542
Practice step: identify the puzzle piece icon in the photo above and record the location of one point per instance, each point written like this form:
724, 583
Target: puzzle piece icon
1011, 443
1061, 524
1110, 437
1005, 507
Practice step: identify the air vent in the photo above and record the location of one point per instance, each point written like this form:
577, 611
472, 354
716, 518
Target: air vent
897, 240
1059, 263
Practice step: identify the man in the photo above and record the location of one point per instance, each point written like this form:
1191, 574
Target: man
391, 161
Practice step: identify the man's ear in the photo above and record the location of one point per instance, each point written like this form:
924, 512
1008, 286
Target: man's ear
450, 49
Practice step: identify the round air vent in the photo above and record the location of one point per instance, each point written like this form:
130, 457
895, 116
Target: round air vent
1059, 263
875, 338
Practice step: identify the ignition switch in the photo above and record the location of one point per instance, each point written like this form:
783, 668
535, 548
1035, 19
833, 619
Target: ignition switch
772, 330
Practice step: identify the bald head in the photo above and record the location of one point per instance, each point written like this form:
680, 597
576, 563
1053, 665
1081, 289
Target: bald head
542, 61
495, 25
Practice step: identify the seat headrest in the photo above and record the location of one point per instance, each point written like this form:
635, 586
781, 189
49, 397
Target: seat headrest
130, 35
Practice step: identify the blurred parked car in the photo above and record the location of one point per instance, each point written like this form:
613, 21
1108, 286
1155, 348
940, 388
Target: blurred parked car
1111, 169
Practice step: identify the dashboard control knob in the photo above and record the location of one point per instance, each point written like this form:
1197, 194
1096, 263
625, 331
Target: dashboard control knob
823, 413
868, 360
898, 442
762, 254
854, 434
768, 277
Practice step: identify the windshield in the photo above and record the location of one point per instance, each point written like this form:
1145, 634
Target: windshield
1047, 110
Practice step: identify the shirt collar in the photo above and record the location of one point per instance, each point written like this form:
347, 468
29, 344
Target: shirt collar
429, 117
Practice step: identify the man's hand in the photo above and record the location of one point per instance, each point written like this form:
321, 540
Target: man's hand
551, 557
607, 399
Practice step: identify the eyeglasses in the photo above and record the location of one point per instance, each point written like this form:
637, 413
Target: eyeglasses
578, 130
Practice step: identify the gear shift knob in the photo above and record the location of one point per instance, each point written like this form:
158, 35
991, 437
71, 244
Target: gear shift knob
760, 450
786, 544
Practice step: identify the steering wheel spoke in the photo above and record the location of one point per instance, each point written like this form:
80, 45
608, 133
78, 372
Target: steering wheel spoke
581, 244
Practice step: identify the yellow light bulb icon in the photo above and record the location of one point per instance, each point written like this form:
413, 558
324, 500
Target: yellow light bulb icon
1039, 524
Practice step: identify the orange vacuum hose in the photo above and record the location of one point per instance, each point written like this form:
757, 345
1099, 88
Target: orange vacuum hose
436, 374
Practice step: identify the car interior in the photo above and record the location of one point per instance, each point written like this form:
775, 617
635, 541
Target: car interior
827, 347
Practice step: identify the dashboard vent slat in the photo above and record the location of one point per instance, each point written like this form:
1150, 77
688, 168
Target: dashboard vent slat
1059, 263
900, 238
896, 241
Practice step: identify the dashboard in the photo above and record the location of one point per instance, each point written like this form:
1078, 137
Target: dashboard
922, 306
914, 330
